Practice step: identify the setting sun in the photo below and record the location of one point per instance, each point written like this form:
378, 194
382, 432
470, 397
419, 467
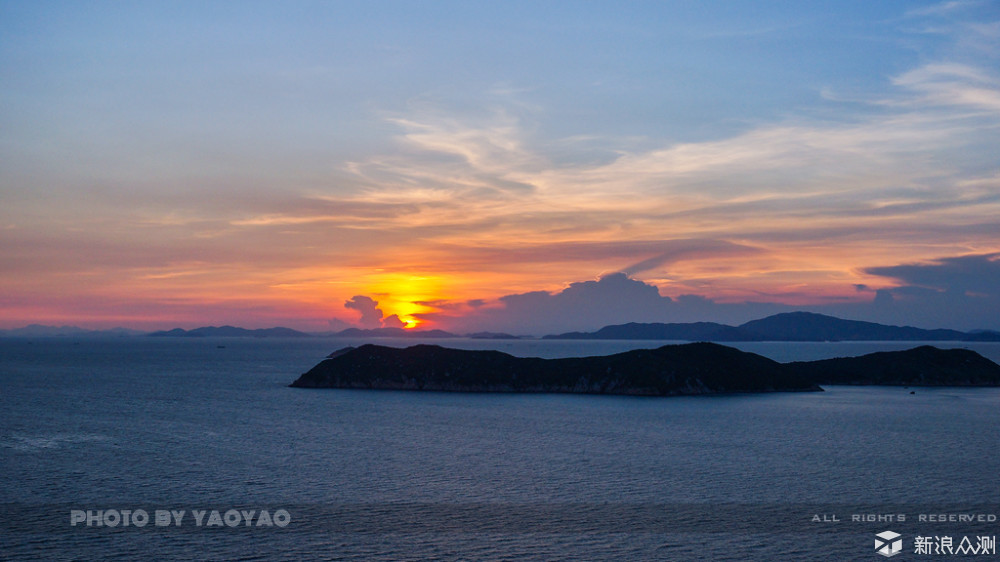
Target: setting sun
404, 295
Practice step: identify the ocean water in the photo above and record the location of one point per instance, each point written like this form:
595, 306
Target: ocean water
94, 429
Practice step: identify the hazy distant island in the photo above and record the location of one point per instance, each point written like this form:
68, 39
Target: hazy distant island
230, 332
671, 370
789, 326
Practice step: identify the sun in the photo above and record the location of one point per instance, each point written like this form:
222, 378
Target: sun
405, 295
405, 310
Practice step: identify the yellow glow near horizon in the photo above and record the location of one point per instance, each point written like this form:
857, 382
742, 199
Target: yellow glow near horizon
401, 293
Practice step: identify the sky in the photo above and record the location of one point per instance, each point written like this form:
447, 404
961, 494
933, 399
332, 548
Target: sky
526, 167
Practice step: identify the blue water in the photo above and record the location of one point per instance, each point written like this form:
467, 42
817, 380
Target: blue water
204, 424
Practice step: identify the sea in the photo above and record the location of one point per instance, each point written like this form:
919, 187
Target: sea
197, 449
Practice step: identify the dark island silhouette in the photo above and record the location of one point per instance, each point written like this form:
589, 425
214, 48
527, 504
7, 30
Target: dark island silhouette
229, 332
921, 366
671, 370
787, 326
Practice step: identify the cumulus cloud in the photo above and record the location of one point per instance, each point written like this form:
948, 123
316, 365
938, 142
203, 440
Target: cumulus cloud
611, 298
371, 314
588, 305
958, 292
967, 275
393, 321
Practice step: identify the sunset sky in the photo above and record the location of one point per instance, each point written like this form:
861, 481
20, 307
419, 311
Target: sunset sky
528, 167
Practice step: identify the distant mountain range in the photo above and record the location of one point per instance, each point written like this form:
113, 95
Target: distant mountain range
791, 326
391, 333
230, 332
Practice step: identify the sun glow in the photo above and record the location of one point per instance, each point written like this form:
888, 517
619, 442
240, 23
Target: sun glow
404, 294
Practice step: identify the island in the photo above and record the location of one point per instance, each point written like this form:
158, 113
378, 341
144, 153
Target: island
670, 370
229, 332
921, 366
787, 326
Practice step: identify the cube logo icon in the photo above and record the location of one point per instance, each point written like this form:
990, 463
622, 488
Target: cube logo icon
888, 544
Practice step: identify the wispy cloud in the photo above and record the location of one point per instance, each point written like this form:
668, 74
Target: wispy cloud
943, 8
443, 157
680, 249
848, 166
953, 84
